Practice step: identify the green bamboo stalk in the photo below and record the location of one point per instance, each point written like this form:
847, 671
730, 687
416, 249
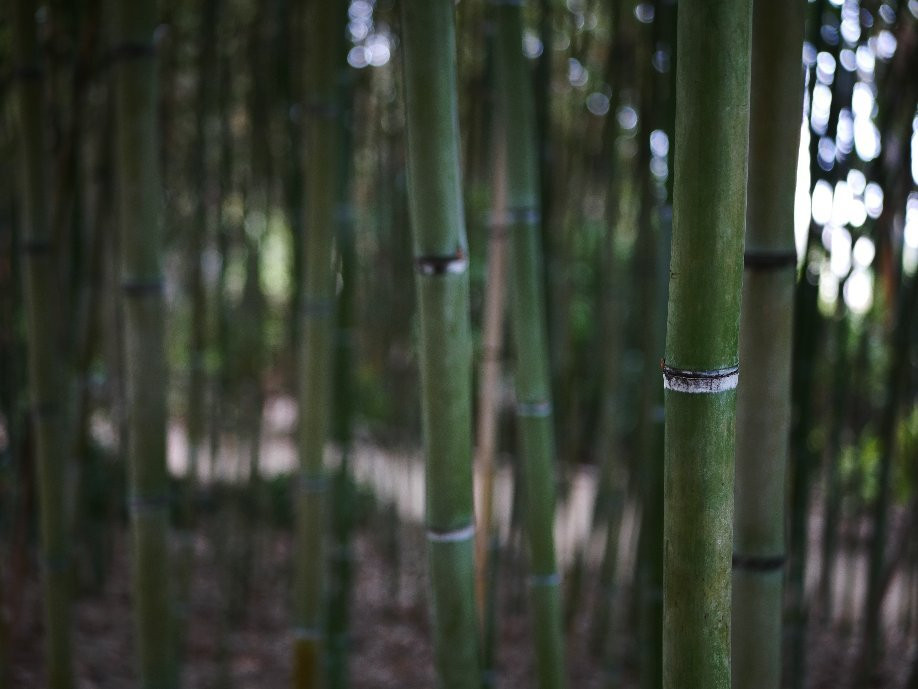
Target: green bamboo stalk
701, 370
195, 413
490, 367
343, 486
140, 217
46, 376
442, 284
763, 404
906, 301
325, 31
527, 304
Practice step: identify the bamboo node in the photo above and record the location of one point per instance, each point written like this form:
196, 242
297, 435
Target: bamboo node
42, 411
317, 308
700, 382
540, 580
765, 259
141, 287
148, 504
528, 215
323, 110
465, 533
26, 73
759, 563
454, 264
307, 634
36, 247
312, 484
538, 408
128, 50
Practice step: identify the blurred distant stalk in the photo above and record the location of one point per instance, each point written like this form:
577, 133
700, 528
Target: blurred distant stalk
534, 411
325, 32
701, 365
41, 292
490, 368
140, 218
764, 400
442, 283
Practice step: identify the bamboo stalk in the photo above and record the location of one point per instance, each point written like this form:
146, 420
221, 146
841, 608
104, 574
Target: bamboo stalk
489, 369
442, 284
46, 377
325, 31
764, 399
140, 218
701, 369
534, 412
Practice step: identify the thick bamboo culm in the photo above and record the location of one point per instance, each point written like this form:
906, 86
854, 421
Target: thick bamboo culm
45, 372
764, 399
442, 283
325, 31
141, 244
533, 380
701, 363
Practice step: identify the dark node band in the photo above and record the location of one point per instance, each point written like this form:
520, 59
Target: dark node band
36, 247
141, 504
129, 50
524, 214
454, 264
312, 484
320, 109
142, 287
756, 563
45, 410
317, 308
26, 73
770, 260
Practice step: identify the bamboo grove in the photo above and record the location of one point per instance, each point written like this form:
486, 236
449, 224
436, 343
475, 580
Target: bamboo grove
493, 343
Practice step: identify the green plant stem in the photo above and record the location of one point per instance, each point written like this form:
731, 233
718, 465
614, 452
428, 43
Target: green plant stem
325, 29
442, 283
712, 120
527, 304
764, 399
141, 241
46, 378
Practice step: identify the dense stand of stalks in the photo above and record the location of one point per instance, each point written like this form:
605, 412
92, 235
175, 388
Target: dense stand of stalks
712, 120
763, 403
441, 261
275, 286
